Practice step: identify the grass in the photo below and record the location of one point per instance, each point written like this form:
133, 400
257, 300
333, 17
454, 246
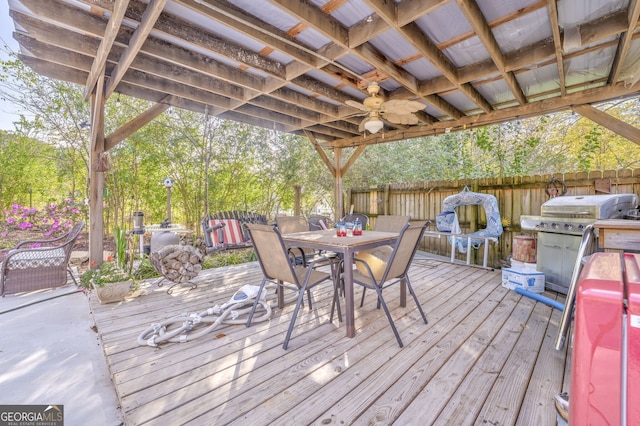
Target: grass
227, 258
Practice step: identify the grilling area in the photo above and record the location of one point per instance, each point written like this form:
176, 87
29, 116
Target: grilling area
560, 227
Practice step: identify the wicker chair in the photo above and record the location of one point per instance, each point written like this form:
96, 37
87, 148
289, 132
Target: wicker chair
28, 269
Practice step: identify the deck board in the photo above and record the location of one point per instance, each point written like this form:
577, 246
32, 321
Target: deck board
485, 356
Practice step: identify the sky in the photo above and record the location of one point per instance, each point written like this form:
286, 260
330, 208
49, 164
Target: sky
8, 113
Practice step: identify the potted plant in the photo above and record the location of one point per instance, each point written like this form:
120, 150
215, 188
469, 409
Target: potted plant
112, 280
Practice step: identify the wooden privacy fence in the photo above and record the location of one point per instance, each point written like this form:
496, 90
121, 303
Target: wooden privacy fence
516, 196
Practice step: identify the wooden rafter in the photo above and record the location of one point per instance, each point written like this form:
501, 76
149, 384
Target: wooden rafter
98, 66
339, 35
476, 19
610, 122
149, 18
136, 124
557, 43
625, 41
421, 42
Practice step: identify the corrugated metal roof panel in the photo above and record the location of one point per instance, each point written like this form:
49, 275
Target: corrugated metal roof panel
496, 92
589, 67
460, 101
467, 52
539, 80
393, 45
496, 9
350, 13
523, 31
445, 23
570, 16
422, 69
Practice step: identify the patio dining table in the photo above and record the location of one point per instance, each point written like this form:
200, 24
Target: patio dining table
348, 246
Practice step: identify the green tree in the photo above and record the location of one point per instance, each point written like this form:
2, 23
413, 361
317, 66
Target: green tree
29, 174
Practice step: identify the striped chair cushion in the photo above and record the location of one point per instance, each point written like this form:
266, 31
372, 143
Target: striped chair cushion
231, 233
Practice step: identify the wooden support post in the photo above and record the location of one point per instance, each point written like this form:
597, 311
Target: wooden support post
338, 183
96, 176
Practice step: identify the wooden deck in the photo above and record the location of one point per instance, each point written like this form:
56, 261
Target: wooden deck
486, 357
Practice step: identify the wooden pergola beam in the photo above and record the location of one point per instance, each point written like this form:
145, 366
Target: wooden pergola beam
149, 18
557, 43
136, 124
610, 122
476, 19
625, 41
110, 34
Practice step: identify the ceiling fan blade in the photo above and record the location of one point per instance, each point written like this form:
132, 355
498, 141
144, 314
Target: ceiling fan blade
355, 115
393, 125
398, 106
400, 118
358, 105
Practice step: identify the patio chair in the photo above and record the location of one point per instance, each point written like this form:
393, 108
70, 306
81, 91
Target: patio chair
277, 267
318, 222
350, 218
28, 268
390, 223
377, 257
290, 225
395, 271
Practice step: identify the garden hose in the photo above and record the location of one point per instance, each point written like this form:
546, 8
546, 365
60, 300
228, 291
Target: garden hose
228, 313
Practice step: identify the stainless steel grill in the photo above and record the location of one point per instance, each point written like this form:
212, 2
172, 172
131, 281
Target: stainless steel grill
560, 227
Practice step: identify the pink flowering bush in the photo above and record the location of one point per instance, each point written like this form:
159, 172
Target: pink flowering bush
50, 222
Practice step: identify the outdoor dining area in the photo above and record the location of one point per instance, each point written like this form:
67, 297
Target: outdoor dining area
464, 350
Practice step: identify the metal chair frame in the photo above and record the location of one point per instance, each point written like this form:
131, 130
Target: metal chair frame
277, 267
396, 270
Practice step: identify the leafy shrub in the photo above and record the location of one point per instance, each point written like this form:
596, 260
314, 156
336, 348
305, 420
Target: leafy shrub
145, 270
226, 258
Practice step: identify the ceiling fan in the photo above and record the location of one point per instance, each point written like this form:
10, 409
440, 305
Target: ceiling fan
378, 111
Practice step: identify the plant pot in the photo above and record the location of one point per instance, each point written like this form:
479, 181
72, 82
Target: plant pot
113, 292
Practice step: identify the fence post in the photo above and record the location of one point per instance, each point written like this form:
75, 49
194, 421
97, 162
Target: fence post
296, 206
385, 207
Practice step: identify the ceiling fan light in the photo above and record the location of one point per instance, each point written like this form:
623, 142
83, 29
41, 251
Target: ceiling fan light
373, 125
